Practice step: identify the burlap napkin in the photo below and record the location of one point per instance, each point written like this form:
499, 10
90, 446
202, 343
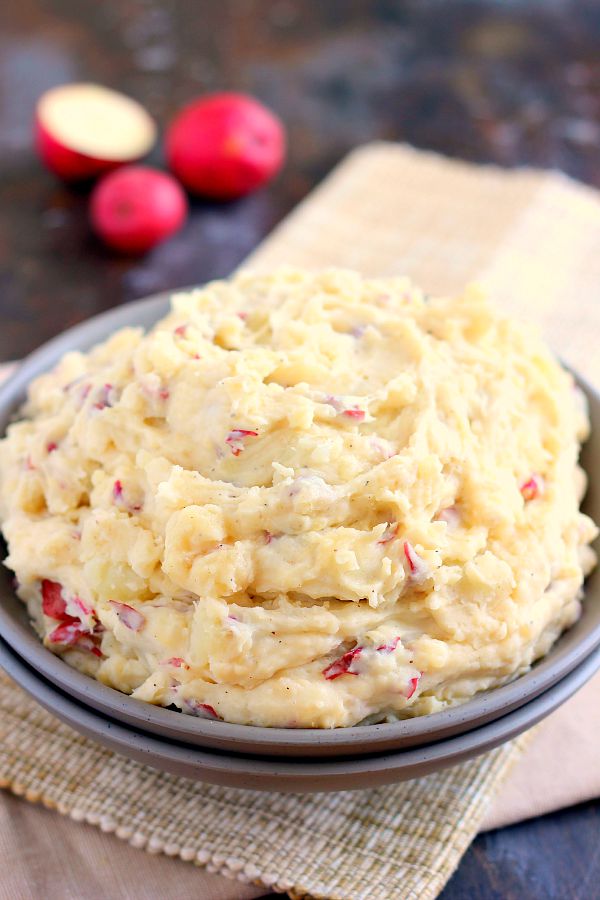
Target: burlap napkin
534, 239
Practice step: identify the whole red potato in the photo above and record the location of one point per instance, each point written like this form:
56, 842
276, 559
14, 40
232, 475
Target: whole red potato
136, 207
225, 145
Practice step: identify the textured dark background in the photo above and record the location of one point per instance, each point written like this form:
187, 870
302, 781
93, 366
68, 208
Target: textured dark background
510, 82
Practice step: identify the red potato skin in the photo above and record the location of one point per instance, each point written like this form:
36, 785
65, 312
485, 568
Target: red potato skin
137, 207
225, 145
69, 164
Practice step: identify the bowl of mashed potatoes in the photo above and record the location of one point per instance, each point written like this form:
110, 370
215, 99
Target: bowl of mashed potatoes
309, 503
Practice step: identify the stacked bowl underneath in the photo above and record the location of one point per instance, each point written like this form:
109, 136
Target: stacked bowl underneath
275, 758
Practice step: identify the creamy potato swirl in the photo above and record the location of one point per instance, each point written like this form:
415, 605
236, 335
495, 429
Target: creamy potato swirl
302, 500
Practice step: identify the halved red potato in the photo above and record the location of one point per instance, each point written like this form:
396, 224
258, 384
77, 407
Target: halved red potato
83, 130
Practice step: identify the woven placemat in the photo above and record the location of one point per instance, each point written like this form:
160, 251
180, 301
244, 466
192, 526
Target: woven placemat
532, 238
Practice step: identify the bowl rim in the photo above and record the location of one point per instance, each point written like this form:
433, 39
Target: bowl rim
476, 711
285, 775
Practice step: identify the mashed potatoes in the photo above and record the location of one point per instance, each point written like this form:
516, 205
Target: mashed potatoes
302, 500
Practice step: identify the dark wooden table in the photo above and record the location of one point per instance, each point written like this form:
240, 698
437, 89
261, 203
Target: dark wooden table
509, 82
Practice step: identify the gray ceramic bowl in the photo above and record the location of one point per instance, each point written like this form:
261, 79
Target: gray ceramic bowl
289, 775
572, 648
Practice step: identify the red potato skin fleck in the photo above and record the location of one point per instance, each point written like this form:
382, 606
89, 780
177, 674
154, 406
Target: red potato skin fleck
73, 634
203, 709
104, 399
119, 498
389, 648
51, 447
177, 662
86, 642
243, 432
235, 437
128, 616
53, 602
412, 557
85, 609
67, 633
357, 414
531, 488
342, 665
412, 686
408, 552
70, 632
